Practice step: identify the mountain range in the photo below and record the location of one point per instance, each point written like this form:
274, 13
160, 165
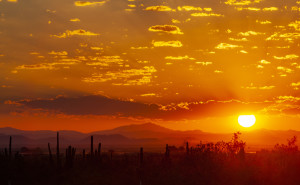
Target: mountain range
148, 135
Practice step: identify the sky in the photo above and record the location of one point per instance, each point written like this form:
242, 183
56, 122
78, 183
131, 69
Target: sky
182, 64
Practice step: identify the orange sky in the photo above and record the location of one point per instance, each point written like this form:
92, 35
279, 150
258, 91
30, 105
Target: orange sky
93, 65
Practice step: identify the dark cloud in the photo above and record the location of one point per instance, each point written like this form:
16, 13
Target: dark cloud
100, 105
94, 105
292, 111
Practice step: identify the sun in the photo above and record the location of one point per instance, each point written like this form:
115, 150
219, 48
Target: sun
246, 120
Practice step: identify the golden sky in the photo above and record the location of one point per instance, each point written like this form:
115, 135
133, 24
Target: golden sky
92, 65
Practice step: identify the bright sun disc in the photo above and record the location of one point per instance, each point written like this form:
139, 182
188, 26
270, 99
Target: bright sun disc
246, 120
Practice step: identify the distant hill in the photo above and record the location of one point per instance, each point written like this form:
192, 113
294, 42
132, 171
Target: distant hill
147, 134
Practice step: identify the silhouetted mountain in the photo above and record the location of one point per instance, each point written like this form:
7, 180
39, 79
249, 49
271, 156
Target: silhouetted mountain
38, 134
147, 130
147, 134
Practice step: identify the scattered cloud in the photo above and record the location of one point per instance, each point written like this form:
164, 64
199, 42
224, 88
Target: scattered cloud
252, 87
105, 60
295, 25
62, 53
264, 62
270, 9
248, 8
159, 8
284, 69
242, 2
186, 57
166, 28
175, 44
250, 33
49, 66
287, 57
206, 15
218, 71
75, 20
239, 39
227, 46
188, 8
126, 77
264, 22
139, 47
148, 94
79, 32
88, 3
204, 63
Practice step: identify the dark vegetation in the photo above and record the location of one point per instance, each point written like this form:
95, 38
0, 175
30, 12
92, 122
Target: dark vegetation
221, 163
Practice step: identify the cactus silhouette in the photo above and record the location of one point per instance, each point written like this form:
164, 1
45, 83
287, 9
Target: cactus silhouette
50, 154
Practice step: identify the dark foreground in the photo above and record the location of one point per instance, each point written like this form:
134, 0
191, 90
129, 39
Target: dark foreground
205, 164
270, 168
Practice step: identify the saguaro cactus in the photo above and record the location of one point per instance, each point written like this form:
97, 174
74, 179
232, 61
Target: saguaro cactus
57, 149
83, 153
70, 156
167, 151
99, 150
92, 146
5, 153
50, 153
141, 156
9, 150
187, 148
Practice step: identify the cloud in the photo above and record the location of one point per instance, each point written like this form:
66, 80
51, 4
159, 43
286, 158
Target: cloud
264, 22
36, 67
248, 8
49, 66
204, 63
94, 105
175, 44
287, 57
290, 37
88, 3
159, 8
148, 94
218, 71
284, 69
104, 60
139, 47
295, 25
206, 15
227, 46
250, 33
96, 48
284, 105
264, 62
270, 9
166, 28
188, 8
241, 2
125, 77
186, 57
251, 87
79, 32
75, 20
61, 53
239, 39
297, 84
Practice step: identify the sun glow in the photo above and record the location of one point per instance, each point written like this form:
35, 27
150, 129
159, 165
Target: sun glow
246, 120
